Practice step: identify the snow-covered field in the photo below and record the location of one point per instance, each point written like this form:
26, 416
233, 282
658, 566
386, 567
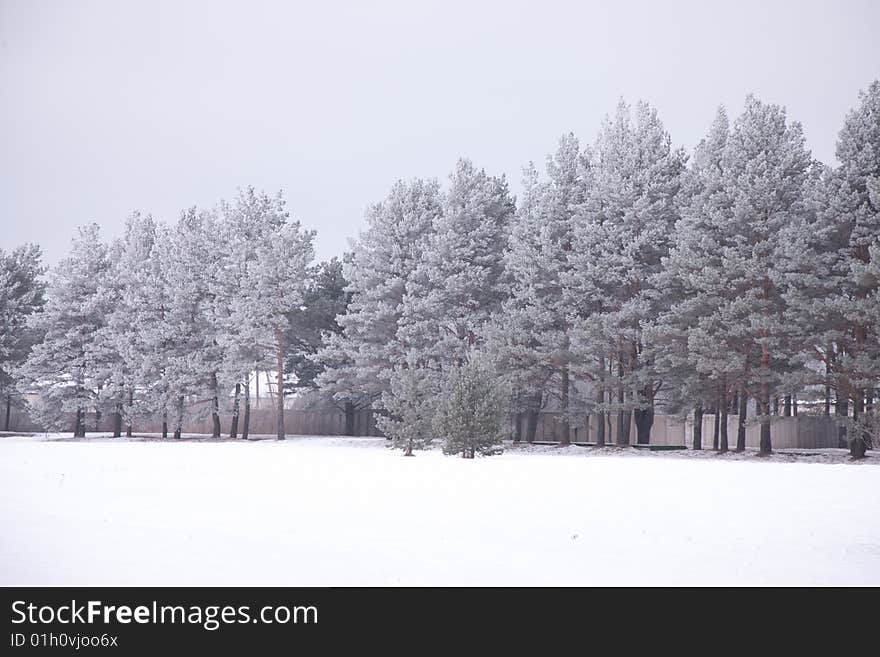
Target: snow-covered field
337, 511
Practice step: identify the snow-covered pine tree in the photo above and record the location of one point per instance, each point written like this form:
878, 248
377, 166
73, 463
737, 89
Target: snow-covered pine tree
123, 361
459, 282
767, 172
691, 345
409, 405
277, 280
189, 257
537, 266
311, 328
358, 362
59, 368
22, 294
324, 300
830, 271
511, 334
245, 225
620, 235
261, 277
471, 410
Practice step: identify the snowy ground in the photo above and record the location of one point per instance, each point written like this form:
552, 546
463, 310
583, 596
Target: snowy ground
338, 511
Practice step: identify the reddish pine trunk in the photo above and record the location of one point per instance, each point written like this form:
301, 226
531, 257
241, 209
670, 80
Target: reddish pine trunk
215, 406
233, 427
766, 447
246, 423
566, 426
741, 417
645, 416
130, 405
723, 444
858, 442
178, 427
716, 428
279, 337
117, 421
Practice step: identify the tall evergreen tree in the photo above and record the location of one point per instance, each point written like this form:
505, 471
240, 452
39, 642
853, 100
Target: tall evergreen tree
60, 367
621, 233
830, 271
358, 362
123, 361
536, 315
189, 254
767, 173
22, 294
459, 281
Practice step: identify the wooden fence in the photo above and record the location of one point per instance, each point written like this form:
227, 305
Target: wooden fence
802, 431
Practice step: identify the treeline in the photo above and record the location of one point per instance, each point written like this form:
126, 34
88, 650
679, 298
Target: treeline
627, 278
170, 322
630, 277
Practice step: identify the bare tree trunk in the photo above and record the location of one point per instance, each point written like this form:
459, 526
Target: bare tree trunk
518, 432
644, 422
246, 423
741, 417
565, 424
600, 406
130, 406
164, 423
858, 441
786, 408
645, 416
723, 444
117, 421
77, 423
622, 416
8, 412
279, 338
766, 446
794, 404
698, 427
97, 419
716, 429
829, 359
178, 427
215, 406
233, 427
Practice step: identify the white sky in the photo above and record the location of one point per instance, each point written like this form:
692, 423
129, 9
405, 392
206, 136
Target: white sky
108, 107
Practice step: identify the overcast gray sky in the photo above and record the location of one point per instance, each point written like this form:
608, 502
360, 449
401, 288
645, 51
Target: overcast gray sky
108, 107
